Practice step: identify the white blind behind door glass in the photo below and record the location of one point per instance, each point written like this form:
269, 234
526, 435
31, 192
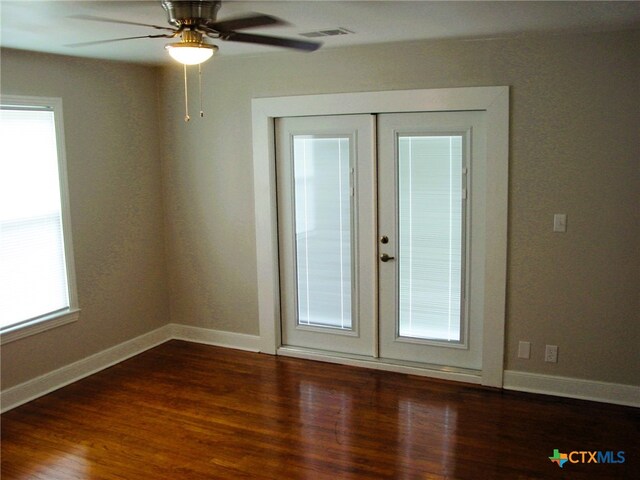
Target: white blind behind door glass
322, 204
430, 237
33, 277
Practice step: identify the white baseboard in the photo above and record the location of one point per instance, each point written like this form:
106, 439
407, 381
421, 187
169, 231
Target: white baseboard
238, 341
521, 381
616, 393
39, 386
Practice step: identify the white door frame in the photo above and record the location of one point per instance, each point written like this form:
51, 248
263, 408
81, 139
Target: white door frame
492, 100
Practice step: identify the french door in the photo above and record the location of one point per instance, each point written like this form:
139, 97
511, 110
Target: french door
429, 214
377, 219
326, 182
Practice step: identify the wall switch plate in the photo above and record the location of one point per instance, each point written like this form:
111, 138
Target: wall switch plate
560, 222
551, 354
524, 350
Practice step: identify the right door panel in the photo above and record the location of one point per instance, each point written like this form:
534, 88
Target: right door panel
431, 226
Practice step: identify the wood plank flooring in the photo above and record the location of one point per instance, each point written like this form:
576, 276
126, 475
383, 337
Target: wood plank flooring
189, 411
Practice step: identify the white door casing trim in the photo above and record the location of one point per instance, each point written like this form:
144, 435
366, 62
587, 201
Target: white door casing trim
493, 100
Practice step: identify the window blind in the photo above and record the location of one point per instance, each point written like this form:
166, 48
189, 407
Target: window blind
431, 236
33, 276
323, 212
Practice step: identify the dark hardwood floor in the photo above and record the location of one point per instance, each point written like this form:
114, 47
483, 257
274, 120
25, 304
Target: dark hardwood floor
189, 411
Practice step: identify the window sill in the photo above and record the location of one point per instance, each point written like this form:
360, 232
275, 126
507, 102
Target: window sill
39, 325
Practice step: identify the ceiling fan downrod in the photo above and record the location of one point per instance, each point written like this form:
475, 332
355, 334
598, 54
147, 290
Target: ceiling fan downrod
198, 12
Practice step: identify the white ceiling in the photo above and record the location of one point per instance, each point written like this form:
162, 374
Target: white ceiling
45, 25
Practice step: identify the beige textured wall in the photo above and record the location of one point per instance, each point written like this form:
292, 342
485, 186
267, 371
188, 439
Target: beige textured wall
575, 113
113, 160
575, 121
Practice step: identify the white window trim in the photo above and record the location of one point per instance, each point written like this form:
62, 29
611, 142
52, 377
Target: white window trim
493, 100
71, 314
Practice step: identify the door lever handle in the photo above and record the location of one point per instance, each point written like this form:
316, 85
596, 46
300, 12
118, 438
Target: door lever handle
385, 258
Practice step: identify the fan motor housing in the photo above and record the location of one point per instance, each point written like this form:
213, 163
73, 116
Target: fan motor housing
185, 12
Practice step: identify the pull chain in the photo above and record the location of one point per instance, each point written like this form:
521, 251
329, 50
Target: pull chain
200, 88
186, 96
186, 93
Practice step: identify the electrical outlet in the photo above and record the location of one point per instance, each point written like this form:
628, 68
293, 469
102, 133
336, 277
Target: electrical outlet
560, 222
524, 350
551, 354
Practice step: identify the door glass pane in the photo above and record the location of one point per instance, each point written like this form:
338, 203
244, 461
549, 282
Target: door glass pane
322, 206
430, 237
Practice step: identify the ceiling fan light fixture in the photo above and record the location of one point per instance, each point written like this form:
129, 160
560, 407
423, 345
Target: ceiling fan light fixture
191, 53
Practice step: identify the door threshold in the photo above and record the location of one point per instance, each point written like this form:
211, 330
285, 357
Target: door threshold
455, 374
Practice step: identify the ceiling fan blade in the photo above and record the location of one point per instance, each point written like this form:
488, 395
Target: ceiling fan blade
123, 22
275, 41
98, 42
238, 23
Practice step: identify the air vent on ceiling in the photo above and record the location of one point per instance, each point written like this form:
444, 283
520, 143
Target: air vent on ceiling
332, 32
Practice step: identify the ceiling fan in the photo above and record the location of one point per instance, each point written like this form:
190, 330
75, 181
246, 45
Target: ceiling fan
194, 21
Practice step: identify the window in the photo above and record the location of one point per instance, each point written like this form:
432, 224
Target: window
37, 279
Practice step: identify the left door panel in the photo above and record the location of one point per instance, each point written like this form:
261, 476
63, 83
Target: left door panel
325, 176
